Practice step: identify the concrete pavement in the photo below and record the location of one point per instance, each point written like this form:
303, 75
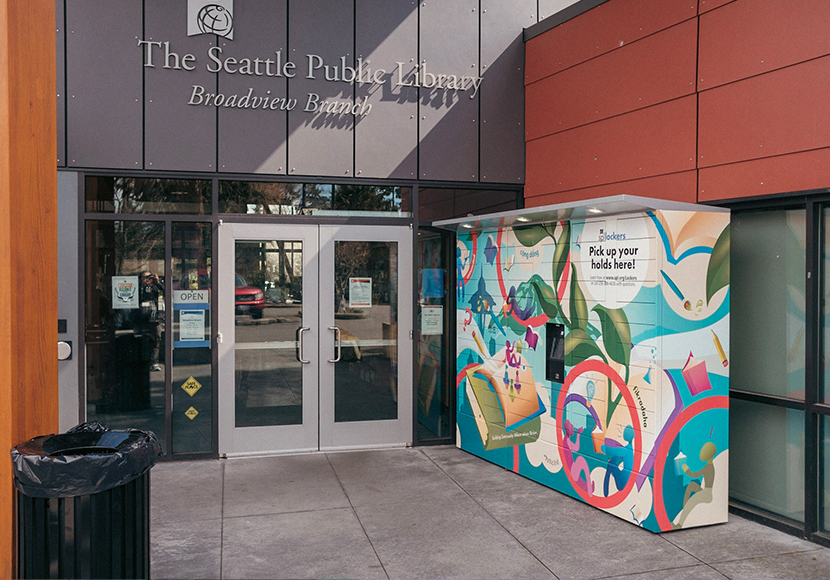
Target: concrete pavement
427, 512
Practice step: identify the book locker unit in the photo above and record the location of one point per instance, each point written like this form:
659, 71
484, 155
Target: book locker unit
593, 353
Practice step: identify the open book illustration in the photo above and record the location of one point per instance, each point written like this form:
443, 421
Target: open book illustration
505, 403
696, 376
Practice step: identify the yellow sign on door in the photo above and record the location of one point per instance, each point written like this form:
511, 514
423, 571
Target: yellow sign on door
191, 413
191, 385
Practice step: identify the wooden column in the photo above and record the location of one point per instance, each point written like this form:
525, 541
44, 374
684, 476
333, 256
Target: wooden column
28, 240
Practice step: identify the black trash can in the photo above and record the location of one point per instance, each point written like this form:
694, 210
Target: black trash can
83, 507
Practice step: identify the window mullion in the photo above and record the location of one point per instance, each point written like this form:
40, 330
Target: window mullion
813, 346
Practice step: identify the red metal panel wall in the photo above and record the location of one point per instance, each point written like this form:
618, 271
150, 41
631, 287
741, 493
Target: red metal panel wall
781, 112
760, 120
650, 71
797, 172
653, 141
600, 30
707, 5
675, 187
751, 37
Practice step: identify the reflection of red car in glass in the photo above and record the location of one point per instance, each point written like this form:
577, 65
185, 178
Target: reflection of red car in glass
249, 300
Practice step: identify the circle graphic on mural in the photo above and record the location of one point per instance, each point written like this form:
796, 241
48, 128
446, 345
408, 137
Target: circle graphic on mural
214, 19
661, 459
577, 470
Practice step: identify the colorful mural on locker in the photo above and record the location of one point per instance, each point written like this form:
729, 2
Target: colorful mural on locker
638, 424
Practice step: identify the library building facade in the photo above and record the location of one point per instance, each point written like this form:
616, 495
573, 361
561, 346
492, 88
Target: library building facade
301, 226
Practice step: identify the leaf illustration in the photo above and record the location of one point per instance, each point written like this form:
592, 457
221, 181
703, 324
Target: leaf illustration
514, 325
579, 308
579, 347
560, 255
612, 405
717, 274
616, 334
531, 235
546, 296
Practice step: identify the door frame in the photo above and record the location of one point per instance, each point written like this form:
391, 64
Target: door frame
312, 436
360, 434
257, 440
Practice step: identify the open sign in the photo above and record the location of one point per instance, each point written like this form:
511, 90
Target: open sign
191, 297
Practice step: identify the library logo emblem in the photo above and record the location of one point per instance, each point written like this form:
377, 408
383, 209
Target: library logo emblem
210, 17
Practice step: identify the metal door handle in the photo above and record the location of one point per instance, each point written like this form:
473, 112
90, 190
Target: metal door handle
300, 332
337, 342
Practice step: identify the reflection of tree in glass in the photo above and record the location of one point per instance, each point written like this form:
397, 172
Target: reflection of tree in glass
317, 196
350, 260
295, 198
261, 198
137, 244
250, 262
191, 255
367, 198
134, 195
362, 259
274, 267
290, 273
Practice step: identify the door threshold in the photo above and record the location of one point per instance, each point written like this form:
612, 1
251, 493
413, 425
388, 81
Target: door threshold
252, 454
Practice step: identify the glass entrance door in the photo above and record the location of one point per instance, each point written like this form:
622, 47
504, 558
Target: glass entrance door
365, 309
315, 348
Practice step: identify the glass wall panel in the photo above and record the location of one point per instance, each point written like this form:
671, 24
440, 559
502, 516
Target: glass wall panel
434, 395
251, 197
825, 304
824, 497
767, 307
372, 200
317, 198
439, 203
268, 314
132, 195
192, 420
766, 457
125, 324
366, 311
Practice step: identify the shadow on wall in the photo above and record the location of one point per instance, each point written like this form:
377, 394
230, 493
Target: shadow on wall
368, 130
449, 150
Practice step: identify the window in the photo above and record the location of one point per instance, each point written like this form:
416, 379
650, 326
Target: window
780, 416
266, 198
137, 195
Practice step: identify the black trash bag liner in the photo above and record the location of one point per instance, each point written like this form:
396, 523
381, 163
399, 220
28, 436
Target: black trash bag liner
89, 427
87, 459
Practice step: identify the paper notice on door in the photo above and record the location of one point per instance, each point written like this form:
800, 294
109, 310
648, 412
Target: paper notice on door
432, 320
360, 292
192, 325
124, 292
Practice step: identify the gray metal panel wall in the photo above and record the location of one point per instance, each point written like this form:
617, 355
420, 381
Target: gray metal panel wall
120, 114
386, 139
255, 140
103, 84
549, 7
449, 119
319, 143
502, 88
69, 272
60, 53
177, 136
